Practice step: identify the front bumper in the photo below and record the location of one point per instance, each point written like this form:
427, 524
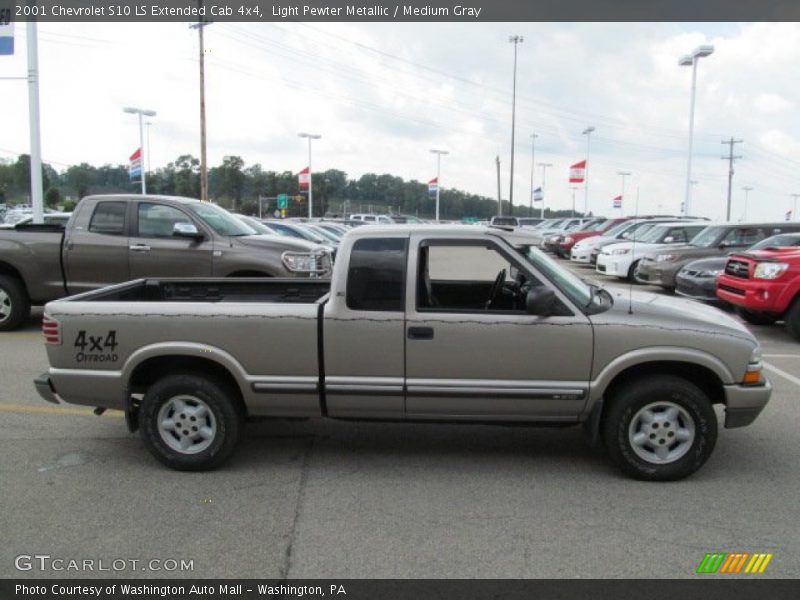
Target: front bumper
758, 297
653, 273
580, 256
614, 265
45, 388
697, 288
744, 403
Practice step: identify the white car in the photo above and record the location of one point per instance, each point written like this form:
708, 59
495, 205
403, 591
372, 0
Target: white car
583, 250
620, 259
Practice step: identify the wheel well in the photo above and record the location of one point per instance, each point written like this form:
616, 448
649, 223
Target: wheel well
153, 369
702, 377
7, 269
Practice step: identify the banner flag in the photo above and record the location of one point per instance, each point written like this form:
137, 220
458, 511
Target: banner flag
135, 165
577, 172
303, 178
618, 202
538, 195
7, 38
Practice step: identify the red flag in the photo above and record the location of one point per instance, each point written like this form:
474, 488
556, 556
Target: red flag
577, 172
303, 178
618, 201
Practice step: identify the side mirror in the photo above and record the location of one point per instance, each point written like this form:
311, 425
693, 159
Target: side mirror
669, 239
540, 301
186, 230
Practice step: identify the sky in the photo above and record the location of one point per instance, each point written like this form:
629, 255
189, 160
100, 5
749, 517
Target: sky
382, 95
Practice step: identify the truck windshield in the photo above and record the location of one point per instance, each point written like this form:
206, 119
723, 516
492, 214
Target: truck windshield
708, 237
574, 287
220, 220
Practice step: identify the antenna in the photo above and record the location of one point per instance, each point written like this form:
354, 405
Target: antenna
633, 253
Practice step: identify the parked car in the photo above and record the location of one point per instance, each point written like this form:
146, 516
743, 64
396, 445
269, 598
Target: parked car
698, 278
299, 230
661, 268
53, 218
552, 242
418, 323
370, 218
585, 251
764, 286
564, 246
560, 226
528, 221
622, 259
116, 238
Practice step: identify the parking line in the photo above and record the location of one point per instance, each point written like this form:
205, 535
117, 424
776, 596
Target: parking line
781, 355
54, 410
782, 373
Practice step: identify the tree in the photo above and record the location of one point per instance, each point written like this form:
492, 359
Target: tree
52, 198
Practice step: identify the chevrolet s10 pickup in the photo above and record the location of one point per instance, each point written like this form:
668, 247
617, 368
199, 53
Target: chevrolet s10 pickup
417, 323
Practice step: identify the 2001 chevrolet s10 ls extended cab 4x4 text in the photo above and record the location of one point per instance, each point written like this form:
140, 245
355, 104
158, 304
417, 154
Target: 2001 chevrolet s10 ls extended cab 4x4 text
436, 323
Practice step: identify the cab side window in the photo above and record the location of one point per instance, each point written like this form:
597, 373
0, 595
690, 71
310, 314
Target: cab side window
158, 221
743, 236
108, 218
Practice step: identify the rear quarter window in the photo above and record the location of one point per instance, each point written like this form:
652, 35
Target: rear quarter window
376, 274
108, 218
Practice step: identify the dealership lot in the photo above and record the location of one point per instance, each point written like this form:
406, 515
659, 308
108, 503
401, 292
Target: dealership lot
335, 499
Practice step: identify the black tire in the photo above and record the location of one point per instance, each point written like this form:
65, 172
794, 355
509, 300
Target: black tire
791, 320
16, 304
634, 396
631, 277
221, 402
756, 318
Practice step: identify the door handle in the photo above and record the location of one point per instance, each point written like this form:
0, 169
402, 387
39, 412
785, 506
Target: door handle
420, 333
140, 248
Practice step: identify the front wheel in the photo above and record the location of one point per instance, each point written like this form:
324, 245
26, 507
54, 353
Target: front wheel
755, 318
662, 428
14, 303
791, 319
632, 271
190, 422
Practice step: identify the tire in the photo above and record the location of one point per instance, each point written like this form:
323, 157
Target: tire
755, 318
680, 408
15, 306
631, 278
791, 320
192, 404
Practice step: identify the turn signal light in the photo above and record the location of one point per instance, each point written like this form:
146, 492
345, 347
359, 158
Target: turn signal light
752, 378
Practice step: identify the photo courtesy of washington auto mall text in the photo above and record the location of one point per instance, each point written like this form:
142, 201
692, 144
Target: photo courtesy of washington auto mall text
399, 299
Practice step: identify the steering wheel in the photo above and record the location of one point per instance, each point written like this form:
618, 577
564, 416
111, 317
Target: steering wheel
497, 287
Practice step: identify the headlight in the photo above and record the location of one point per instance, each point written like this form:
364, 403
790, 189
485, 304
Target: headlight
568, 240
665, 257
770, 270
306, 262
713, 273
619, 251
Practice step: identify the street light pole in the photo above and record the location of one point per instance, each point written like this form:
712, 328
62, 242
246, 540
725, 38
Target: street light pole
794, 209
530, 191
141, 112
690, 60
544, 190
588, 133
516, 40
747, 189
623, 174
310, 136
573, 188
203, 162
438, 154
147, 124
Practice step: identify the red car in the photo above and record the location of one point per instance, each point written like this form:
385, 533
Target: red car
565, 245
764, 286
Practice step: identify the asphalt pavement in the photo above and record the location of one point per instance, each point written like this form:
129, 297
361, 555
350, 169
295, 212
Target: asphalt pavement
332, 499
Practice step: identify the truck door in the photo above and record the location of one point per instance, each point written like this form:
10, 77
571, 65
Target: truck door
96, 246
363, 330
156, 252
473, 352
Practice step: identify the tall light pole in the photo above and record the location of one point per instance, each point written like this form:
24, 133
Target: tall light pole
438, 154
310, 136
573, 188
623, 174
794, 209
588, 133
747, 189
141, 112
530, 191
37, 195
147, 124
690, 60
544, 187
203, 163
516, 40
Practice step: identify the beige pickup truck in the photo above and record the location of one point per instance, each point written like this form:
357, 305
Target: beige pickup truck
418, 323
110, 239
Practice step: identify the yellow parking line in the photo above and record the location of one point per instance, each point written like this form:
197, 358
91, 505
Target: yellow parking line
54, 410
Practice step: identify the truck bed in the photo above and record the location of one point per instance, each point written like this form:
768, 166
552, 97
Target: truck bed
257, 290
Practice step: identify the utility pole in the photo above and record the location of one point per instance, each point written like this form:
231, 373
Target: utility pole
438, 154
794, 208
730, 158
544, 187
499, 197
588, 133
573, 188
516, 40
530, 191
203, 164
747, 189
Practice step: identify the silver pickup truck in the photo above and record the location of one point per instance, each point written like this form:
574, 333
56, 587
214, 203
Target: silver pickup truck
418, 323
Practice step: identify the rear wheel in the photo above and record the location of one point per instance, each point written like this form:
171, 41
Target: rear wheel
791, 319
632, 272
755, 318
15, 306
191, 422
661, 428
